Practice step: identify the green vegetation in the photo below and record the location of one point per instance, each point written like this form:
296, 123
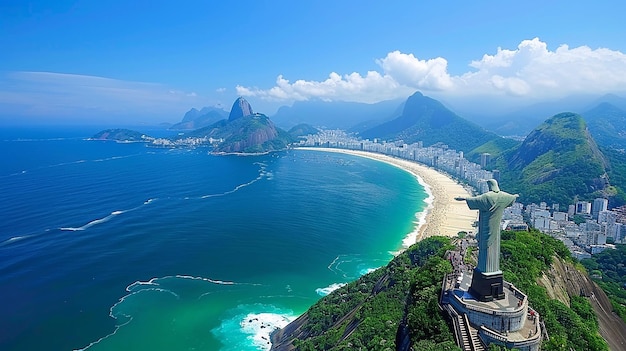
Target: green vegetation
557, 162
607, 124
120, 134
248, 134
367, 314
495, 148
608, 269
302, 129
399, 303
427, 120
616, 169
469, 256
525, 256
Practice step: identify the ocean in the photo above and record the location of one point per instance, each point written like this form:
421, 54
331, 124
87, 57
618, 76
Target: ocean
119, 246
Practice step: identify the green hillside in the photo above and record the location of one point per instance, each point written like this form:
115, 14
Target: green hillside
607, 125
557, 162
249, 134
427, 120
609, 270
396, 307
302, 129
369, 313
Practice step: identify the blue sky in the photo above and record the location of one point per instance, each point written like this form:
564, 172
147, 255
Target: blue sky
150, 61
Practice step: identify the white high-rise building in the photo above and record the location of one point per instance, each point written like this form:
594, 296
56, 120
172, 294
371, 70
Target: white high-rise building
598, 206
583, 207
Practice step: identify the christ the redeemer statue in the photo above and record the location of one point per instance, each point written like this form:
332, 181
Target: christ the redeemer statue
487, 277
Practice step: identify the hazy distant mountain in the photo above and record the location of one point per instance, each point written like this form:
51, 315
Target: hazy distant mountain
335, 114
524, 120
612, 99
427, 120
195, 118
558, 161
607, 125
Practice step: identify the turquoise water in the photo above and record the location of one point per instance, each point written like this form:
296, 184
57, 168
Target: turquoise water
109, 246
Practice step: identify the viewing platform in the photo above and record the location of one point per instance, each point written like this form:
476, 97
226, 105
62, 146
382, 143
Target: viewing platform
508, 322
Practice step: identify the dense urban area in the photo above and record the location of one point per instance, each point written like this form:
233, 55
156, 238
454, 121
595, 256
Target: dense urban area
586, 227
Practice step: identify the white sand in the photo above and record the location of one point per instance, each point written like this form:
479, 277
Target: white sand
446, 216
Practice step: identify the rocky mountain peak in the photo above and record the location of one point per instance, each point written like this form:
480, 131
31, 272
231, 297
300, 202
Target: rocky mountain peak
241, 108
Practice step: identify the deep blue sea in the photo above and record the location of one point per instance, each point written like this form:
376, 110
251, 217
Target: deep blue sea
119, 246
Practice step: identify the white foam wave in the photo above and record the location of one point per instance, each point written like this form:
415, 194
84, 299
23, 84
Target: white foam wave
250, 326
259, 327
139, 284
68, 163
367, 271
14, 239
420, 217
114, 158
154, 285
94, 222
262, 174
155, 281
119, 315
329, 289
221, 282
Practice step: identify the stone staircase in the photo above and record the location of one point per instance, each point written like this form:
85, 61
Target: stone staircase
466, 336
477, 345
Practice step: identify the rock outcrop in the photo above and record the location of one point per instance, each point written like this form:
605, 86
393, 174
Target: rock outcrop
563, 280
244, 132
241, 108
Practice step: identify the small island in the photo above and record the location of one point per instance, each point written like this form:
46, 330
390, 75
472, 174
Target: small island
122, 135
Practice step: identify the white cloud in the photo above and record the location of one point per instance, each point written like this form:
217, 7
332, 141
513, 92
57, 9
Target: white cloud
530, 71
372, 87
410, 71
534, 71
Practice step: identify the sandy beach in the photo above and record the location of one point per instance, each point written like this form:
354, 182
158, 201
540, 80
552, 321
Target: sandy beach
444, 215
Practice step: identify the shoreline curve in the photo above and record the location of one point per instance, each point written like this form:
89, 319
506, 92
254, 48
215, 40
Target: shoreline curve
443, 215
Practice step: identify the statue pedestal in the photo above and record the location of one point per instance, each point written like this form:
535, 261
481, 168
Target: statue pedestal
487, 286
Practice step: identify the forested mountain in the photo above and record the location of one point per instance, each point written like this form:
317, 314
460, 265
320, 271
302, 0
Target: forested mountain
396, 307
302, 130
557, 162
607, 125
428, 120
250, 134
245, 132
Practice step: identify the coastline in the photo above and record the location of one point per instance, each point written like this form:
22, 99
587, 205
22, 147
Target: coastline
443, 215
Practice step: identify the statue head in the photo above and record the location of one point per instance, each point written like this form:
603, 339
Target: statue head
493, 185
